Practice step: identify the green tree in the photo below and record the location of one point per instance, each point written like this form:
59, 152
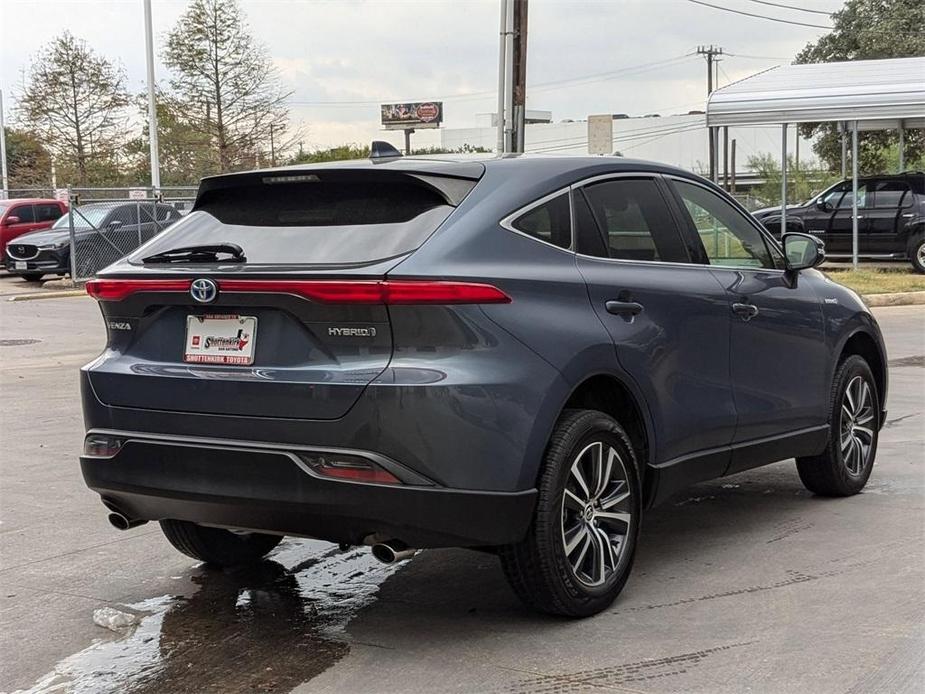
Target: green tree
74, 100
185, 154
355, 151
867, 30
802, 182
226, 88
28, 163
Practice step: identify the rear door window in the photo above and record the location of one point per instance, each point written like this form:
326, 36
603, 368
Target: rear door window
892, 195
549, 222
635, 220
47, 213
337, 218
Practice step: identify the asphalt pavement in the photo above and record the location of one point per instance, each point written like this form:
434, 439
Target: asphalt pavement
748, 583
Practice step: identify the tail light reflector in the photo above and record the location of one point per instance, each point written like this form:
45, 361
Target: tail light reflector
349, 467
102, 445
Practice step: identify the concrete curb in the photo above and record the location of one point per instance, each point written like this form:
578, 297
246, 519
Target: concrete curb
896, 299
47, 295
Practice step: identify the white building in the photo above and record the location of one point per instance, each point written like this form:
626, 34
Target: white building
677, 140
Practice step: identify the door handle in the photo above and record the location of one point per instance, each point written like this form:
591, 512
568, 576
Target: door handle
745, 311
623, 308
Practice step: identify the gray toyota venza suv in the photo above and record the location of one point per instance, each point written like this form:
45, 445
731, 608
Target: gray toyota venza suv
517, 355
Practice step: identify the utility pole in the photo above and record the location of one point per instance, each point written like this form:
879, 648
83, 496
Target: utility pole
6, 180
272, 148
711, 52
502, 74
152, 104
519, 38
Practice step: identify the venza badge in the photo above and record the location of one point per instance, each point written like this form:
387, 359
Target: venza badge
204, 291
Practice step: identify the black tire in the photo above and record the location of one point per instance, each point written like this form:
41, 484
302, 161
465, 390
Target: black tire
843, 469
917, 252
32, 276
217, 546
538, 568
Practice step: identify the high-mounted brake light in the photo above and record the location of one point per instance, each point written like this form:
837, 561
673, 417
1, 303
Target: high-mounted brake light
388, 292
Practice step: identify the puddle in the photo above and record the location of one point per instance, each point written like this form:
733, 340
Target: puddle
258, 629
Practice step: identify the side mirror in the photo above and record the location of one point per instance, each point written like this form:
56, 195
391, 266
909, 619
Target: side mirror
802, 251
113, 225
824, 206
11, 220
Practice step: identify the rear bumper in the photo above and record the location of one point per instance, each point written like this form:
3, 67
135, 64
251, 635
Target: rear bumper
232, 484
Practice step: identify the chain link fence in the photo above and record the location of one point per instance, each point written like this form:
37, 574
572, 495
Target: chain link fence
106, 224
102, 226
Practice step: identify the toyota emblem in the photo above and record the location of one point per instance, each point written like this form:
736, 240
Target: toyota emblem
204, 291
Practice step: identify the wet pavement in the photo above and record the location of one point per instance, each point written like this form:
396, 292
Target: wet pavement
743, 584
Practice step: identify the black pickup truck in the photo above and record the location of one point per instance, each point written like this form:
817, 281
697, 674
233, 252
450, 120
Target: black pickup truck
891, 218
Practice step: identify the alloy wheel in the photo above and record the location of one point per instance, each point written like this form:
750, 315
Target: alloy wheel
920, 254
857, 422
596, 513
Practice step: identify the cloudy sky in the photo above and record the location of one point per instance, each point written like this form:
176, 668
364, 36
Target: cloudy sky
343, 57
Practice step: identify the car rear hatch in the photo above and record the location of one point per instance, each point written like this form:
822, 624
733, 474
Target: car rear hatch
299, 328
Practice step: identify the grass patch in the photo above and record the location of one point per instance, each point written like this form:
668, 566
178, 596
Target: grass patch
878, 281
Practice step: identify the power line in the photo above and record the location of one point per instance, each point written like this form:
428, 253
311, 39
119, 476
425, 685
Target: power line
756, 57
792, 7
586, 79
759, 16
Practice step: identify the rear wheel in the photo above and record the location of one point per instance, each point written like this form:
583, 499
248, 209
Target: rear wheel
845, 465
917, 252
579, 550
218, 546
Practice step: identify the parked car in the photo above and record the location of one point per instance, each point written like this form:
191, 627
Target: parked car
891, 218
101, 231
19, 216
517, 355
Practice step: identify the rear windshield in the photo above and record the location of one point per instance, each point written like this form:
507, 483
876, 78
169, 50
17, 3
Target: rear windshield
310, 222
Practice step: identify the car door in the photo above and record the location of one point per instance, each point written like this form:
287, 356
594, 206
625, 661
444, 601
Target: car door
885, 221
778, 355
122, 227
839, 240
817, 220
26, 216
668, 318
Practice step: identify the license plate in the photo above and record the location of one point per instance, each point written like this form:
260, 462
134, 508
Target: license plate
220, 339
21, 265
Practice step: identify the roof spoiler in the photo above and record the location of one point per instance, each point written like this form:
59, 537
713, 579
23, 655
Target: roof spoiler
382, 150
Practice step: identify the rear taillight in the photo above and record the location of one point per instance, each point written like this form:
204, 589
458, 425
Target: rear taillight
389, 292
116, 290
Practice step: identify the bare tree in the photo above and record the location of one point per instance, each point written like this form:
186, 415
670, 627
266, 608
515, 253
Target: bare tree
226, 86
74, 100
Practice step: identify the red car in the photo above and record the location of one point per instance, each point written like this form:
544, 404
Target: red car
22, 215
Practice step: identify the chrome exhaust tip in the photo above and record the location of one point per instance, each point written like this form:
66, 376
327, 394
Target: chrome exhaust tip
121, 522
393, 551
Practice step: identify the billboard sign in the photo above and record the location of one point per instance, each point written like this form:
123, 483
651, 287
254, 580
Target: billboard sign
417, 114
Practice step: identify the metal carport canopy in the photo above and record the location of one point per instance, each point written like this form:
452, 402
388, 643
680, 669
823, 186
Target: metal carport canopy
859, 90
